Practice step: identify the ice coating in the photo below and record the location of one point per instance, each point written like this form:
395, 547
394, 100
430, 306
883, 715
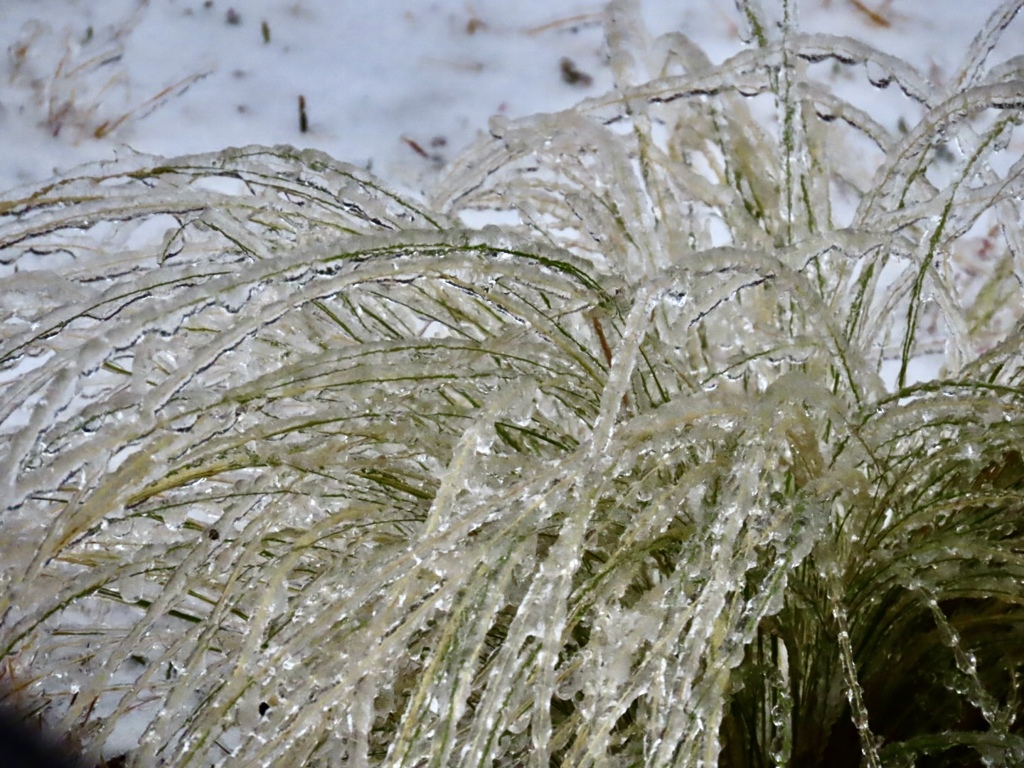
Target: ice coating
636, 476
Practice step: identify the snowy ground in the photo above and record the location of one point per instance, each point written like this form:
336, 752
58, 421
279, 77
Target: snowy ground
399, 86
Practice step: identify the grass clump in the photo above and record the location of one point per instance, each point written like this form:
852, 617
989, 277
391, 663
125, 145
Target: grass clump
298, 471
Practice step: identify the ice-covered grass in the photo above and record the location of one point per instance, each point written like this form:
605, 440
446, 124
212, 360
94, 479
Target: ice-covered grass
298, 471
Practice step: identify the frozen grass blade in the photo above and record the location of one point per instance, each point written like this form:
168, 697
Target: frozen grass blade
300, 471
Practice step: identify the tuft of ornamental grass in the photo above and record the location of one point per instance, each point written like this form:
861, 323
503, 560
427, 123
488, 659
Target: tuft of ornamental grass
649, 470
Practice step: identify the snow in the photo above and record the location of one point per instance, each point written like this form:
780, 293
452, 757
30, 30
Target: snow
382, 82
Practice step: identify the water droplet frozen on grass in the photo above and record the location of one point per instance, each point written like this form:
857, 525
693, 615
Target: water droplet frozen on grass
132, 587
878, 75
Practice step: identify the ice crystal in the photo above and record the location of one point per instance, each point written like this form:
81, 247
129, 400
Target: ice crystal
299, 471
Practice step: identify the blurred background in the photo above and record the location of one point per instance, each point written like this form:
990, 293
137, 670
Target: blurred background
399, 87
